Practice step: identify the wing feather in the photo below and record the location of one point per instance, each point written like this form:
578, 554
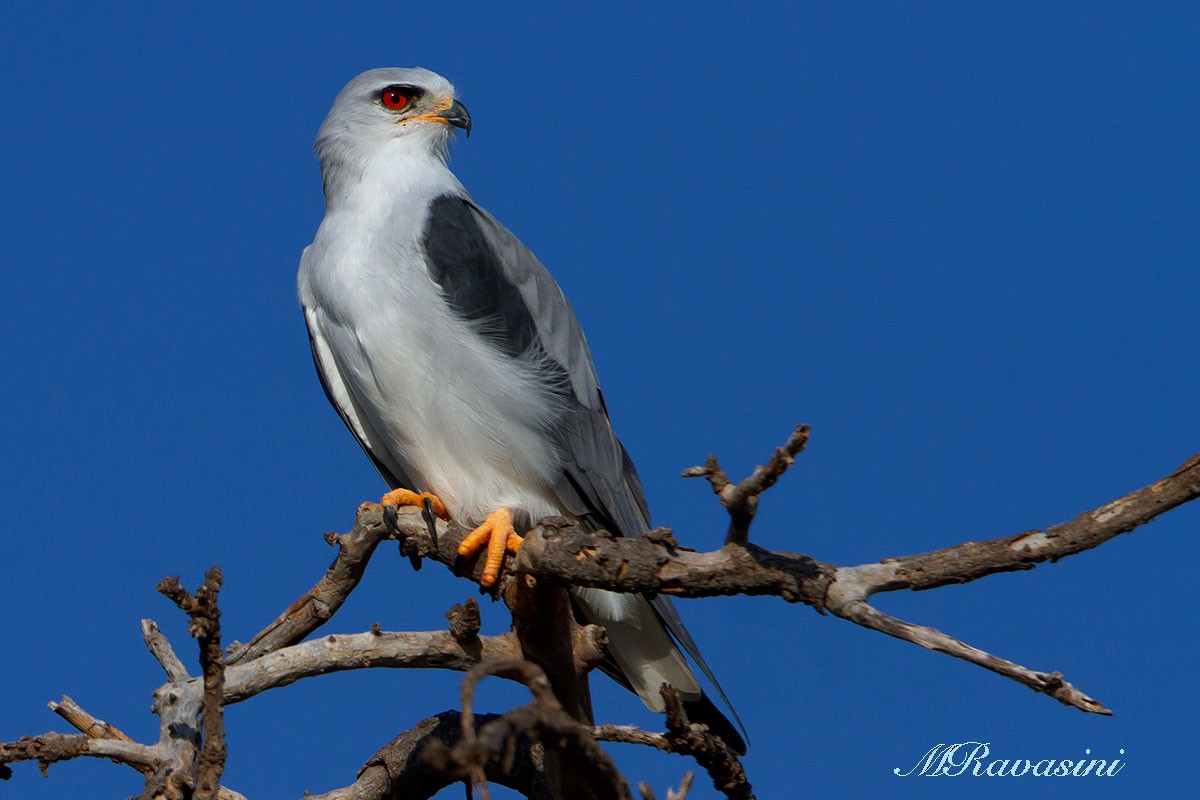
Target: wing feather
342, 399
490, 278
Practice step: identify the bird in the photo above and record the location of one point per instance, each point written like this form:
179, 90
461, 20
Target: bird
458, 364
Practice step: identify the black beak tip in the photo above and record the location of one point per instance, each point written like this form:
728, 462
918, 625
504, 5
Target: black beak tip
458, 116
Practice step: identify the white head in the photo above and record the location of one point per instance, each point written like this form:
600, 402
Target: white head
410, 110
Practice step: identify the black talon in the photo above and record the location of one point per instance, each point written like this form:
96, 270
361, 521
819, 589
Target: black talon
430, 521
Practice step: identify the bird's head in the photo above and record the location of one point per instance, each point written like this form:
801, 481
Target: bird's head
410, 108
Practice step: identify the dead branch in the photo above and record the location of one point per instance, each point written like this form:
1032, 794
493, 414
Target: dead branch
373, 525
645, 565
685, 738
741, 500
401, 768
709, 750
95, 728
51, 747
544, 720
335, 653
685, 786
630, 734
178, 704
316, 606
573, 556
506, 748
163, 653
205, 626
84, 722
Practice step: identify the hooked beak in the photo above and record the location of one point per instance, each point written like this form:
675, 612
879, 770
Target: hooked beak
457, 116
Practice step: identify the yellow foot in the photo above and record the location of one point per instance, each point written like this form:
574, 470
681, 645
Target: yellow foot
497, 531
403, 497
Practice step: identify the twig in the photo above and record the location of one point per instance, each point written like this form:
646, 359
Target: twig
373, 650
163, 653
316, 606
709, 750
630, 734
685, 786
644, 565
51, 747
741, 500
863, 613
84, 722
400, 768
689, 739
205, 625
647, 564
95, 728
678, 741
542, 720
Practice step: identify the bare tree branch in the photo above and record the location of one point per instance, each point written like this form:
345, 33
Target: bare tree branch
51, 747
316, 606
630, 734
741, 500
709, 750
543, 720
562, 550
94, 728
84, 722
685, 738
1052, 683
205, 626
335, 653
685, 786
509, 748
972, 560
400, 768
647, 565
567, 553
163, 653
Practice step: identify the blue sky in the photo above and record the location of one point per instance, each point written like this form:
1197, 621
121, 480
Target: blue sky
958, 240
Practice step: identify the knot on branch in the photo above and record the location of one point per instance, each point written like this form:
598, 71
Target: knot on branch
589, 646
665, 537
464, 621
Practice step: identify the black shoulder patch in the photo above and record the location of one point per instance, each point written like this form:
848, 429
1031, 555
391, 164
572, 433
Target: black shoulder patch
464, 264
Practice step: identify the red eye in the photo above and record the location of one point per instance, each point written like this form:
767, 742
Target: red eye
393, 99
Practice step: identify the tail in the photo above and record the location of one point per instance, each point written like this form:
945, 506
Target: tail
643, 656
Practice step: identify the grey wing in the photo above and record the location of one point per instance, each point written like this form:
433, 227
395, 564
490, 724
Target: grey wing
342, 399
487, 273
490, 278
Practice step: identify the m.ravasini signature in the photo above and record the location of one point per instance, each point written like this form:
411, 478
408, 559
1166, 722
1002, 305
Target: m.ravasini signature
974, 759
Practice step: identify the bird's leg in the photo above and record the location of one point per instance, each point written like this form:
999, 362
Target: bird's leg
497, 531
405, 497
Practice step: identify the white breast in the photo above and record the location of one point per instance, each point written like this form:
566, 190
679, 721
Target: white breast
460, 419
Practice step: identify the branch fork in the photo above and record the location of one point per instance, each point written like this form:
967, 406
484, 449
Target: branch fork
532, 747
741, 499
